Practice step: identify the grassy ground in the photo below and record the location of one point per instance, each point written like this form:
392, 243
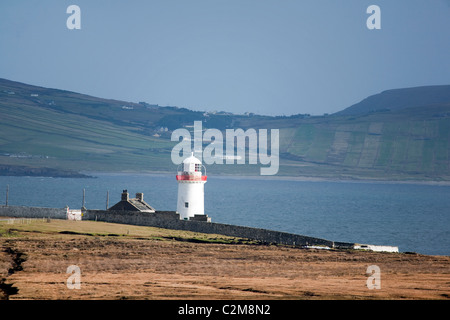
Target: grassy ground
132, 262
17, 228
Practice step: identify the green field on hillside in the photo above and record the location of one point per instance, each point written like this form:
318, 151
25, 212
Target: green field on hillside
48, 128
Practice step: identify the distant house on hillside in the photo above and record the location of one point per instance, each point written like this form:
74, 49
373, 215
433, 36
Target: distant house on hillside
136, 204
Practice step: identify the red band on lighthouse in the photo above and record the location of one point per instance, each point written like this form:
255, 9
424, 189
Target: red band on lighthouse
191, 177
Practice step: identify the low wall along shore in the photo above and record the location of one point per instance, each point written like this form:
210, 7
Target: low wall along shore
170, 220
33, 212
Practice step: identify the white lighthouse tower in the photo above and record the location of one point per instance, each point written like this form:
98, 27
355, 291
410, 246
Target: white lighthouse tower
191, 183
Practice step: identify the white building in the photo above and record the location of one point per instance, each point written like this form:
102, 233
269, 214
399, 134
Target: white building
191, 182
377, 248
74, 214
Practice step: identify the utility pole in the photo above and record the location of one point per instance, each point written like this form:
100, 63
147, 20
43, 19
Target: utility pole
84, 198
107, 199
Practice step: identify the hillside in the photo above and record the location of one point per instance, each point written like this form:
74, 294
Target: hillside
399, 99
401, 134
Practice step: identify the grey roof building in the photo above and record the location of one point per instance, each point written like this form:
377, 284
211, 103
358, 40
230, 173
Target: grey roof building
133, 204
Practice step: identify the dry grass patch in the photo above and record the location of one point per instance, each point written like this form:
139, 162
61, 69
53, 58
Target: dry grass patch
133, 262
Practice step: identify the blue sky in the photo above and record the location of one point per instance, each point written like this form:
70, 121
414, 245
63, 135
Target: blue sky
275, 57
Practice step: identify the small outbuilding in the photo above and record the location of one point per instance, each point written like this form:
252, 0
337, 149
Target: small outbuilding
73, 214
132, 204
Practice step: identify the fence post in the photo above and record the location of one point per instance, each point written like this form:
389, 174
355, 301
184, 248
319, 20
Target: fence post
84, 198
7, 194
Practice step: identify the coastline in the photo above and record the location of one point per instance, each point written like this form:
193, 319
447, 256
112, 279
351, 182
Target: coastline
279, 178
24, 171
401, 239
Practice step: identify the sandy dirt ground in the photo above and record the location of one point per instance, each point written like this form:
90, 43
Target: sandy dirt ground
33, 265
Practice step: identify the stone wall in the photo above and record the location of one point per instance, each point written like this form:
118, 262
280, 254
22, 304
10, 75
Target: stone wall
170, 220
33, 212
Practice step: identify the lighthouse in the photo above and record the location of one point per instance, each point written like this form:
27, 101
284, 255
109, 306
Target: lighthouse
191, 181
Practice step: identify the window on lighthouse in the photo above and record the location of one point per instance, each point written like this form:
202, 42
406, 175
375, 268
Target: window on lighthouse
186, 204
197, 167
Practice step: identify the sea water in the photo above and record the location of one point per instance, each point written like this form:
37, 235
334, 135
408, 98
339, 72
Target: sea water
414, 217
